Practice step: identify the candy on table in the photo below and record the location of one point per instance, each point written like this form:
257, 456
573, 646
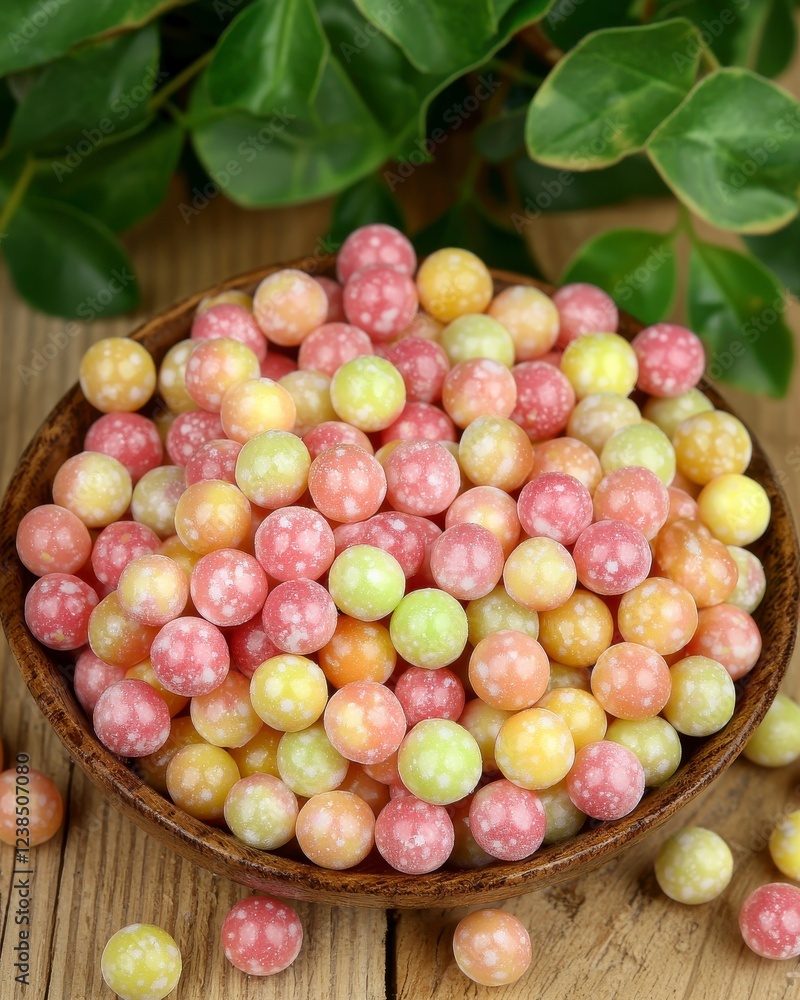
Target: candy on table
735, 508
563, 819
584, 308
336, 829
728, 635
172, 377
58, 609
255, 406
261, 811
414, 836
776, 741
130, 438
225, 717
260, 754
141, 962
152, 768
117, 375
508, 822
498, 610
495, 451
555, 505
569, 456
429, 694
540, 574
466, 853
190, 431
770, 920
131, 719
422, 478
422, 422
752, 582
309, 763
509, 670
155, 498
288, 692
534, 748
711, 444
784, 845
346, 483
212, 515
689, 555
96, 488
452, 282
51, 539
333, 292
190, 656
330, 346
694, 865
116, 637
653, 741
703, 697
199, 778
606, 781
477, 335
365, 722
671, 359
381, 300
376, 243
92, 676
144, 672
492, 947
640, 444
467, 561
429, 628
600, 362
595, 418
545, 399
476, 388
634, 495
582, 712
439, 761
530, 317
152, 589
577, 633
230, 321
491, 509
261, 936
289, 304
631, 681
30, 801
331, 433
214, 366
311, 394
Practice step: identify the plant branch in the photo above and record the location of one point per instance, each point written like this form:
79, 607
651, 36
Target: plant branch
175, 84
17, 193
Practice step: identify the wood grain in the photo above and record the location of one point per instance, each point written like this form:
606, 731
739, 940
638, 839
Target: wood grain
608, 934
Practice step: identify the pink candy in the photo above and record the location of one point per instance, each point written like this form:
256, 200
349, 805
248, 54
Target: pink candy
331, 433
423, 365
333, 293
346, 484
729, 635
467, 561
213, 460
413, 836
300, 616
230, 322
770, 921
506, 821
57, 610
555, 505
429, 694
228, 587
375, 244
612, 557
190, 656
131, 719
671, 359
422, 478
117, 545
606, 780
582, 309
380, 300
420, 422
51, 539
190, 431
634, 495
261, 936
295, 543
545, 399
331, 345
477, 388
130, 438
365, 722
250, 646
92, 676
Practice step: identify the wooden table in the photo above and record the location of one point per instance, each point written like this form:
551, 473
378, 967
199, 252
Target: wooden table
609, 934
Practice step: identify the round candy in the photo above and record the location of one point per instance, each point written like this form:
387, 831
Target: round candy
596, 417
634, 495
659, 614
569, 456
492, 947
530, 317
295, 543
730, 636
770, 921
225, 717
600, 362
92, 676
366, 582
172, 377
452, 282
96, 488
336, 829
213, 460
358, 651
381, 300
653, 741
346, 483
255, 406
365, 722
260, 754
422, 478
555, 505
563, 819
670, 412
509, 670
429, 694
212, 515
540, 574
495, 451
32, 801
688, 554
490, 508
703, 697
131, 719
498, 610
420, 421
289, 692
331, 345
508, 822
190, 656
262, 936
190, 431
234, 296
784, 845
582, 309
289, 304
631, 681
299, 616
735, 508
115, 637
606, 781
230, 321
376, 243
261, 811
331, 433
368, 392
402, 535
640, 444
272, 469
612, 557
57, 610
545, 399
117, 374
216, 365
141, 962
153, 589
477, 336
467, 561
155, 499
476, 388
439, 761
712, 444
414, 836
581, 711
130, 438
694, 865
671, 359
309, 763
51, 539
534, 748
429, 628
752, 582
311, 394
333, 292
576, 633
776, 742
199, 778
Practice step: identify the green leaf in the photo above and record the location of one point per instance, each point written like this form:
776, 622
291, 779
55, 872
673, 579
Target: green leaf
100, 90
603, 100
780, 251
33, 32
121, 183
365, 202
636, 267
286, 159
545, 189
568, 21
467, 225
731, 152
65, 263
272, 53
737, 307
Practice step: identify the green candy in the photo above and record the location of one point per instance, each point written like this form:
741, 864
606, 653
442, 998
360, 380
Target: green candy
366, 582
439, 761
429, 628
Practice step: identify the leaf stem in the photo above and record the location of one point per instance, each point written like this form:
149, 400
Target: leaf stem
17, 193
709, 58
516, 73
175, 84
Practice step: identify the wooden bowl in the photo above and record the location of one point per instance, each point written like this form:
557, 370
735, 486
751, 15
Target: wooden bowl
372, 883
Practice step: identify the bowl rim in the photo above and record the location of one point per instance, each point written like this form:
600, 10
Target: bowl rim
369, 884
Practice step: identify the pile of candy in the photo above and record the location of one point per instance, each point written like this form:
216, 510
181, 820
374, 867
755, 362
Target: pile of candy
397, 562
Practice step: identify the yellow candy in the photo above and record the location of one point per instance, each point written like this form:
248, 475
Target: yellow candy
600, 362
531, 318
117, 375
289, 692
735, 508
581, 711
141, 962
172, 378
453, 282
784, 845
776, 742
711, 444
534, 748
199, 778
